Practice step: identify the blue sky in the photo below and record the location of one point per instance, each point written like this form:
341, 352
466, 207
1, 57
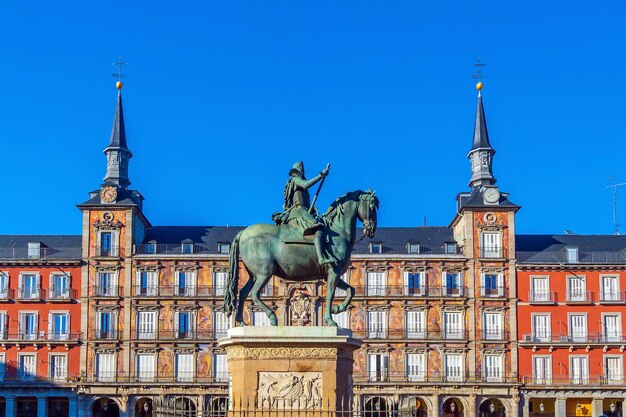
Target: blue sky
223, 96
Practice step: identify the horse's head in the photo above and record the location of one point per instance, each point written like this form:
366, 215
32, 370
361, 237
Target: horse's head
368, 207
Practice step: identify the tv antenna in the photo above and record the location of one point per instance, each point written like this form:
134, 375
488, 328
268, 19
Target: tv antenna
614, 186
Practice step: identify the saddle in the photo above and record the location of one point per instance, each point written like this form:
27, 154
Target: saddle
293, 235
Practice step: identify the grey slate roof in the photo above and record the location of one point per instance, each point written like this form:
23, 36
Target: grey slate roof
474, 198
118, 133
551, 249
52, 246
481, 136
206, 238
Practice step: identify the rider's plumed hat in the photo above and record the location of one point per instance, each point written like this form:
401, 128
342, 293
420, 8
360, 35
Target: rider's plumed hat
298, 167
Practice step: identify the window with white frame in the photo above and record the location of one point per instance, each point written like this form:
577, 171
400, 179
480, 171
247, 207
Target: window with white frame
378, 366
3, 366
571, 255
220, 367
59, 286
58, 325
613, 369
105, 367
57, 370
578, 327
542, 370
579, 369
540, 289
492, 285
145, 368
150, 247
146, 324
4, 325
105, 325
28, 325
26, 366
29, 286
219, 282
147, 283
492, 326
414, 283
185, 283
453, 324
416, 366
185, 367
376, 247
186, 247
375, 284
220, 324
454, 367
416, 324
450, 248
223, 248
612, 327
342, 319
377, 324
609, 288
107, 246
576, 288
413, 248
184, 324
491, 245
338, 291
34, 250
492, 365
541, 328
452, 284
4, 285
106, 284
259, 318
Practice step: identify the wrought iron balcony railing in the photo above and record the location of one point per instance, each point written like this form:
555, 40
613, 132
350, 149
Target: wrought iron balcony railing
576, 337
107, 291
409, 291
542, 297
574, 297
493, 292
187, 291
53, 336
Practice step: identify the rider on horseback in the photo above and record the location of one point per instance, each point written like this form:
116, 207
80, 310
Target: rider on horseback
297, 208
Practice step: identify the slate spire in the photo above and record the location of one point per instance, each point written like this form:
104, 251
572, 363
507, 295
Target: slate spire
117, 153
481, 154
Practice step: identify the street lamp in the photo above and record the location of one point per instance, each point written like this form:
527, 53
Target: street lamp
579, 407
452, 406
542, 407
492, 407
612, 407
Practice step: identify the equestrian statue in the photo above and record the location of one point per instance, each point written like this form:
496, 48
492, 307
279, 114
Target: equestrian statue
301, 246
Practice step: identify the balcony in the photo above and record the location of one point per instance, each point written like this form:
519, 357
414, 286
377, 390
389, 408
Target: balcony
12, 253
21, 336
408, 334
182, 378
105, 334
542, 297
6, 293
494, 335
579, 297
559, 381
492, 252
568, 339
175, 291
107, 291
493, 292
25, 294
61, 295
612, 297
185, 335
106, 251
384, 375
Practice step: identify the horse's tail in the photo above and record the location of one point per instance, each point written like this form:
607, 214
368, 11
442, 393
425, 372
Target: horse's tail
230, 298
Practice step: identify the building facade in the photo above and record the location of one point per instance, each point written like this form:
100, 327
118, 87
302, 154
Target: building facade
40, 280
465, 320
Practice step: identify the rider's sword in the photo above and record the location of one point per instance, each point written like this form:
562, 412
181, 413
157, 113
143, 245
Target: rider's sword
318, 190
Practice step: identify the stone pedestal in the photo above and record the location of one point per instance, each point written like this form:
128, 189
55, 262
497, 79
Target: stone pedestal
299, 368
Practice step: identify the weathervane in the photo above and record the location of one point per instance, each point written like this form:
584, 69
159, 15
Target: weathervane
120, 65
478, 76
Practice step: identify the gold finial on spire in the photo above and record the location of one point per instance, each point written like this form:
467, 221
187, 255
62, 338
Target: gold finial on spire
478, 76
119, 64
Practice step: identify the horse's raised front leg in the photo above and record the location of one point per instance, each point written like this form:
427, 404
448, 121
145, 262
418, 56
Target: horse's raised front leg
243, 294
331, 285
341, 284
259, 283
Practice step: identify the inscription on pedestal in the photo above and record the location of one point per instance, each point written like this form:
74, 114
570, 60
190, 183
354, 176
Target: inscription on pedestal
297, 390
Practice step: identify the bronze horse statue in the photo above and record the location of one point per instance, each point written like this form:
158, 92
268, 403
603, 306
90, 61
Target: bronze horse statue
265, 254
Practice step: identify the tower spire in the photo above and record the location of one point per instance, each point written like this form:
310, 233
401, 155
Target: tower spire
117, 153
481, 154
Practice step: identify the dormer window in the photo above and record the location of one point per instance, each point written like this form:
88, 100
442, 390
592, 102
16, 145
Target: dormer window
151, 246
449, 248
376, 247
187, 246
413, 248
223, 248
571, 255
34, 250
